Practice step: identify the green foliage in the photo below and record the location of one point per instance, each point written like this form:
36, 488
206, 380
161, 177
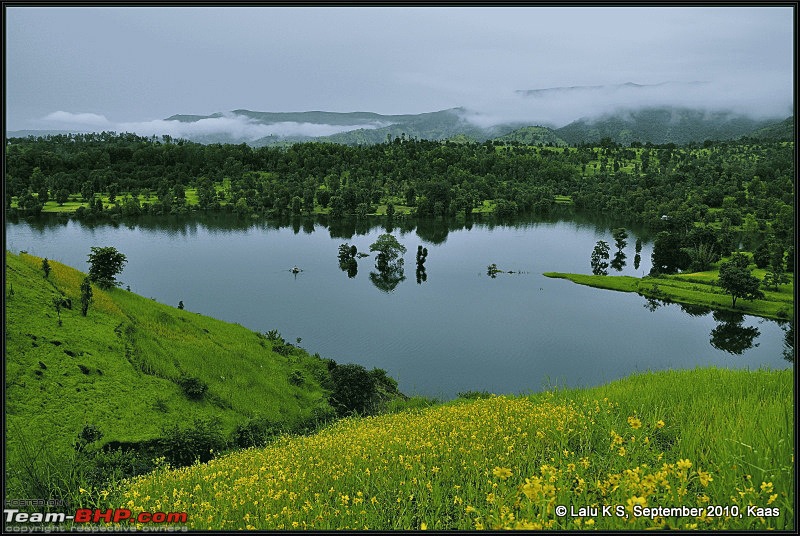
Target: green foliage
600, 255
46, 267
256, 432
620, 237
358, 391
134, 348
199, 441
388, 246
668, 254
691, 289
105, 264
193, 388
735, 278
86, 295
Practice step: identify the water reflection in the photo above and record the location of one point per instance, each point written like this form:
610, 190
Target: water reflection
618, 262
422, 256
387, 279
788, 341
730, 335
695, 310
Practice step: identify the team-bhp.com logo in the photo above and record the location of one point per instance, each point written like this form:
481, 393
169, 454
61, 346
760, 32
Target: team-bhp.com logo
89, 516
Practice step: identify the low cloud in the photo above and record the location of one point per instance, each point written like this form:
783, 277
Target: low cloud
235, 126
556, 107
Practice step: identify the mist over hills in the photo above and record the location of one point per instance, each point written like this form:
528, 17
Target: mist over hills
668, 112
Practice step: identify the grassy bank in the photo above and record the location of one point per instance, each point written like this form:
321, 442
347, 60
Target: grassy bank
133, 369
668, 439
693, 289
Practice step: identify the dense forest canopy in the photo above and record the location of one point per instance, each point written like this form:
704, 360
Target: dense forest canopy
745, 185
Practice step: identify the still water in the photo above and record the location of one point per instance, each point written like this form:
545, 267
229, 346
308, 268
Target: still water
454, 331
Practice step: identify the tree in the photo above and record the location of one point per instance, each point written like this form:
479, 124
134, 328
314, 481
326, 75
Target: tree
737, 280
106, 263
62, 196
388, 262
668, 256
599, 258
46, 267
86, 295
354, 389
387, 246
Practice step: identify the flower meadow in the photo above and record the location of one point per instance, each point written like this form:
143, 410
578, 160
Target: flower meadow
540, 462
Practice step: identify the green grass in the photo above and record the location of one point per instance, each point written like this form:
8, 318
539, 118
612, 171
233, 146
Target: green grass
118, 368
678, 438
697, 288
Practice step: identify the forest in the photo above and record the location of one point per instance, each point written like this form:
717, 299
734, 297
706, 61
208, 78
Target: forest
703, 194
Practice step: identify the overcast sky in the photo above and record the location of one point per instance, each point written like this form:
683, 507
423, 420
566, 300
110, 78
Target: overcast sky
127, 68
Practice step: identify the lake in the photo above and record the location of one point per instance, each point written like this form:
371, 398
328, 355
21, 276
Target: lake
457, 330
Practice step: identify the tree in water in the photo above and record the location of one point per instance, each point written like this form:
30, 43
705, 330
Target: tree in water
422, 255
347, 259
599, 259
388, 262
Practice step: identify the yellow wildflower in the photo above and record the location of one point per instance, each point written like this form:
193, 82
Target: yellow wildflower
704, 477
766, 487
502, 472
660, 424
634, 422
684, 464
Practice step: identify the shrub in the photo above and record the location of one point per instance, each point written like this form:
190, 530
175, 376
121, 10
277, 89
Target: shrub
255, 432
201, 440
193, 388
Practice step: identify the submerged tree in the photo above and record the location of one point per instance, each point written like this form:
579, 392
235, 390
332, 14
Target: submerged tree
388, 262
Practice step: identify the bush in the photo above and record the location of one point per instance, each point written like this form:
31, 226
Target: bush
193, 388
200, 441
255, 433
354, 390
297, 378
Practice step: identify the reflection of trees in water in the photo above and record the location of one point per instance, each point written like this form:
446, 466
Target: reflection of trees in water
730, 335
695, 310
733, 338
788, 341
387, 279
618, 262
651, 304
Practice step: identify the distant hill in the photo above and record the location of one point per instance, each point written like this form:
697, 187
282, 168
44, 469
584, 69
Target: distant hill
533, 136
661, 125
782, 131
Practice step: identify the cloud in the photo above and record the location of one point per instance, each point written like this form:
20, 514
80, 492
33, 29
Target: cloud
81, 119
235, 126
559, 106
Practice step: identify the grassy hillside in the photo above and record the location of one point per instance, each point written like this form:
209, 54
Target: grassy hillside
669, 439
133, 368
